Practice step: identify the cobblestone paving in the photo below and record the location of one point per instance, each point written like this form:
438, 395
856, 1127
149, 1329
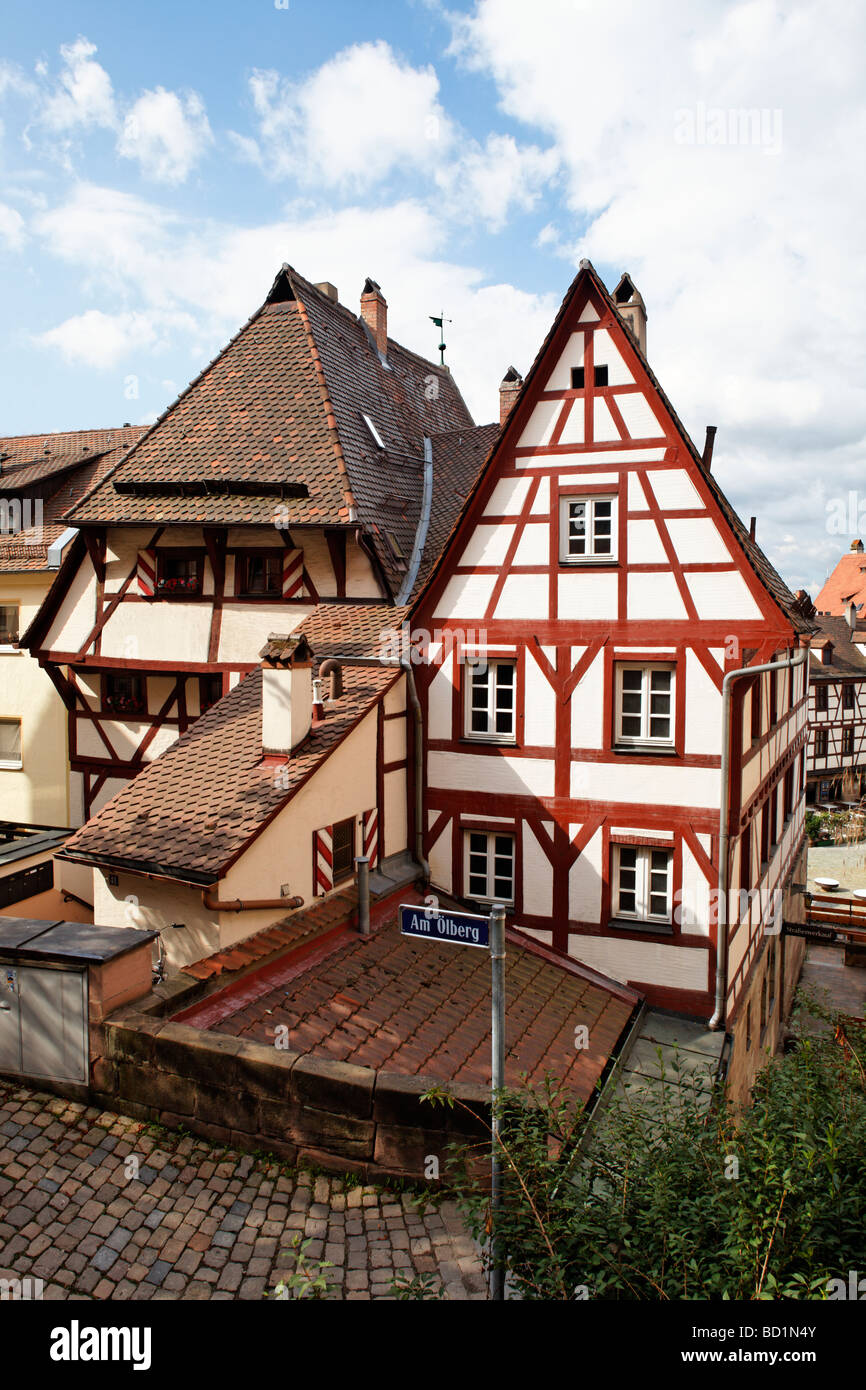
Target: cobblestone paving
197, 1222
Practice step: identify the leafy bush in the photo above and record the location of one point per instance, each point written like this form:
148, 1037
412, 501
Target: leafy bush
671, 1199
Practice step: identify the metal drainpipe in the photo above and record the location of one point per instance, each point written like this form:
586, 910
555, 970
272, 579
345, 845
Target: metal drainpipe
362, 869
718, 1019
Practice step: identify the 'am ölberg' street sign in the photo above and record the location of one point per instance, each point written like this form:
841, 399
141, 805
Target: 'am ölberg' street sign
460, 928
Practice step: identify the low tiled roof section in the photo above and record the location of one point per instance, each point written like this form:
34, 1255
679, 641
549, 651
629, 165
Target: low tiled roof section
77, 459
847, 584
198, 804
255, 414
296, 929
458, 461
847, 660
417, 1008
357, 630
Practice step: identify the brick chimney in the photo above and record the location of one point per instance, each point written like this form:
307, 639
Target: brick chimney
632, 310
328, 290
374, 312
287, 693
509, 390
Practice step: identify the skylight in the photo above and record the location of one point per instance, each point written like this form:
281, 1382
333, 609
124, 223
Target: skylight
377, 438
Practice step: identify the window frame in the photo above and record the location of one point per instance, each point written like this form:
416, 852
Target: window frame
203, 707
643, 892
821, 743
589, 500
344, 873
822, 701
848, 697
178, 553
644, 740
106, 701
10, 646
490, 895
242, 559
847, 747
13, 764
490, 736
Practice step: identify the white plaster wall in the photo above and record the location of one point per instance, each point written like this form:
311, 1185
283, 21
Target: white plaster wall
245, 628
649, 962
470, 772
533, 548
488, 545
644, 544
603, 426
540, 425
524, 596
643, 784
587, 708
166, 631
537, 877
466, 596
439, 699
507, 497
584, 881
638, 415
77, 612
655, 596
396, 824
724, 595
703, 709
158, 903
572, 356
394, 740
439, 858
694, 907
587, 596
539, 724
636, 496
606, 352
697, 541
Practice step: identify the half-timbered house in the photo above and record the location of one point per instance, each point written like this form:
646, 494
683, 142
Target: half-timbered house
836, 761
594, 597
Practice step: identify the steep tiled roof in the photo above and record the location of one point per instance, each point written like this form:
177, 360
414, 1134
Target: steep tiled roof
284, 404
351, 629
59, 468
847, 658
847, 584
198, 804
417, 1009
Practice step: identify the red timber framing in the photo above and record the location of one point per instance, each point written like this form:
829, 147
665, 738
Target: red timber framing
562, 787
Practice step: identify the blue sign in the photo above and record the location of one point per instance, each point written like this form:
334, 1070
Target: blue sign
459, 928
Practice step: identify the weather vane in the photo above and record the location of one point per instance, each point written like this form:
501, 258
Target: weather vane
440, 324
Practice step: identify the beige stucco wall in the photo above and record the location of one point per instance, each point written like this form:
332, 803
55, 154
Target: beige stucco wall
38, 792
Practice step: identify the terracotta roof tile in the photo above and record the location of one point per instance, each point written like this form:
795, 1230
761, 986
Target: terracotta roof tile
199, 803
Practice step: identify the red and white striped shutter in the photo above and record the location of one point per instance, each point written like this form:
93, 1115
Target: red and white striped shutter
323, 861
293, 574
371, 835
146, 573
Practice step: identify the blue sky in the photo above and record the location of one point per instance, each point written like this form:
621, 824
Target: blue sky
158, 162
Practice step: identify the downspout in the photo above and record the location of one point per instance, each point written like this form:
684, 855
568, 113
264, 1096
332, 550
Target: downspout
423, 525
718, 1019
418, 721
248, 904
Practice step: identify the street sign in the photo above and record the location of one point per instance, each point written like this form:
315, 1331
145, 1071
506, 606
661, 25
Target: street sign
811, 931
460, 928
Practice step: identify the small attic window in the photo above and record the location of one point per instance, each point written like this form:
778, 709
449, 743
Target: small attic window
377, 438
601, 376
578, 376
396, 550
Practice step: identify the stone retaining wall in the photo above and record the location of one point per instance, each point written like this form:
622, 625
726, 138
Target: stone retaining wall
333, 1114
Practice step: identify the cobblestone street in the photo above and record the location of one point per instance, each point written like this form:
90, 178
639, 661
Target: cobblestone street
99, 1206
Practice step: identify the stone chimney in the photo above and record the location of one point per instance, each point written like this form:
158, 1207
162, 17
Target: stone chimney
374, 312
851, 615
632, 310
328, 290
509, 389
858, 546
287, 693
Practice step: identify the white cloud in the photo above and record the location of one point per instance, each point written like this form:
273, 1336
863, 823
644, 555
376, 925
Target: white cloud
352, 122
487, 182
166, 133
83, 94
96, 339
12, 233
747, 252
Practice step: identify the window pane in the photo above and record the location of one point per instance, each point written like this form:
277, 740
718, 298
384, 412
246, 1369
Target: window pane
8, 624
632, 679
627, 901
10, 740
478, 843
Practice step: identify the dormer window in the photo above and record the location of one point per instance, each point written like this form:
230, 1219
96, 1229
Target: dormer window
376, 436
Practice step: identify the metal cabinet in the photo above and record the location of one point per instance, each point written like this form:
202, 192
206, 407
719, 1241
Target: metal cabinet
43, 1022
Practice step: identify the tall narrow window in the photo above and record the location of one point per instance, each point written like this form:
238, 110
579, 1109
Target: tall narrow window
821, 697
491, 700
746, 858
847, 695
848, 741
757, 712
642, 883
820, 743
10, 743
578, 378
587, 528
774, 711
600, 373
210, 690
489, 869
343, 849
644, 704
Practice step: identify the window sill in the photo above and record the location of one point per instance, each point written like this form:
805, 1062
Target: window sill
638, 924
10, 651
590, 562
10, 766
490, 742
663, 750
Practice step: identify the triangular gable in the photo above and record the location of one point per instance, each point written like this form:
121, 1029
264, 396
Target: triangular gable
592, 419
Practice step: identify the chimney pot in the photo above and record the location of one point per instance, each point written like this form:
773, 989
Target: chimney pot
374, 312
858, 546
632, 310
287, 693
753, 521
709, 445
509, 389
330, 291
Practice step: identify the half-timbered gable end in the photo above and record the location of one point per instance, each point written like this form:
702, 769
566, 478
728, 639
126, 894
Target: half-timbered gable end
594, 594
300, 469
836, 761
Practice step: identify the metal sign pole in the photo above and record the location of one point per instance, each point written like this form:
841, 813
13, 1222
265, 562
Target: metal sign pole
497, 1081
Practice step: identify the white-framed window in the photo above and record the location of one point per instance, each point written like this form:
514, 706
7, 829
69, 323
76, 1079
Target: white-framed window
645, 703
587, 528
489, 875
10, 743
491, 700
642, 883
9, 617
